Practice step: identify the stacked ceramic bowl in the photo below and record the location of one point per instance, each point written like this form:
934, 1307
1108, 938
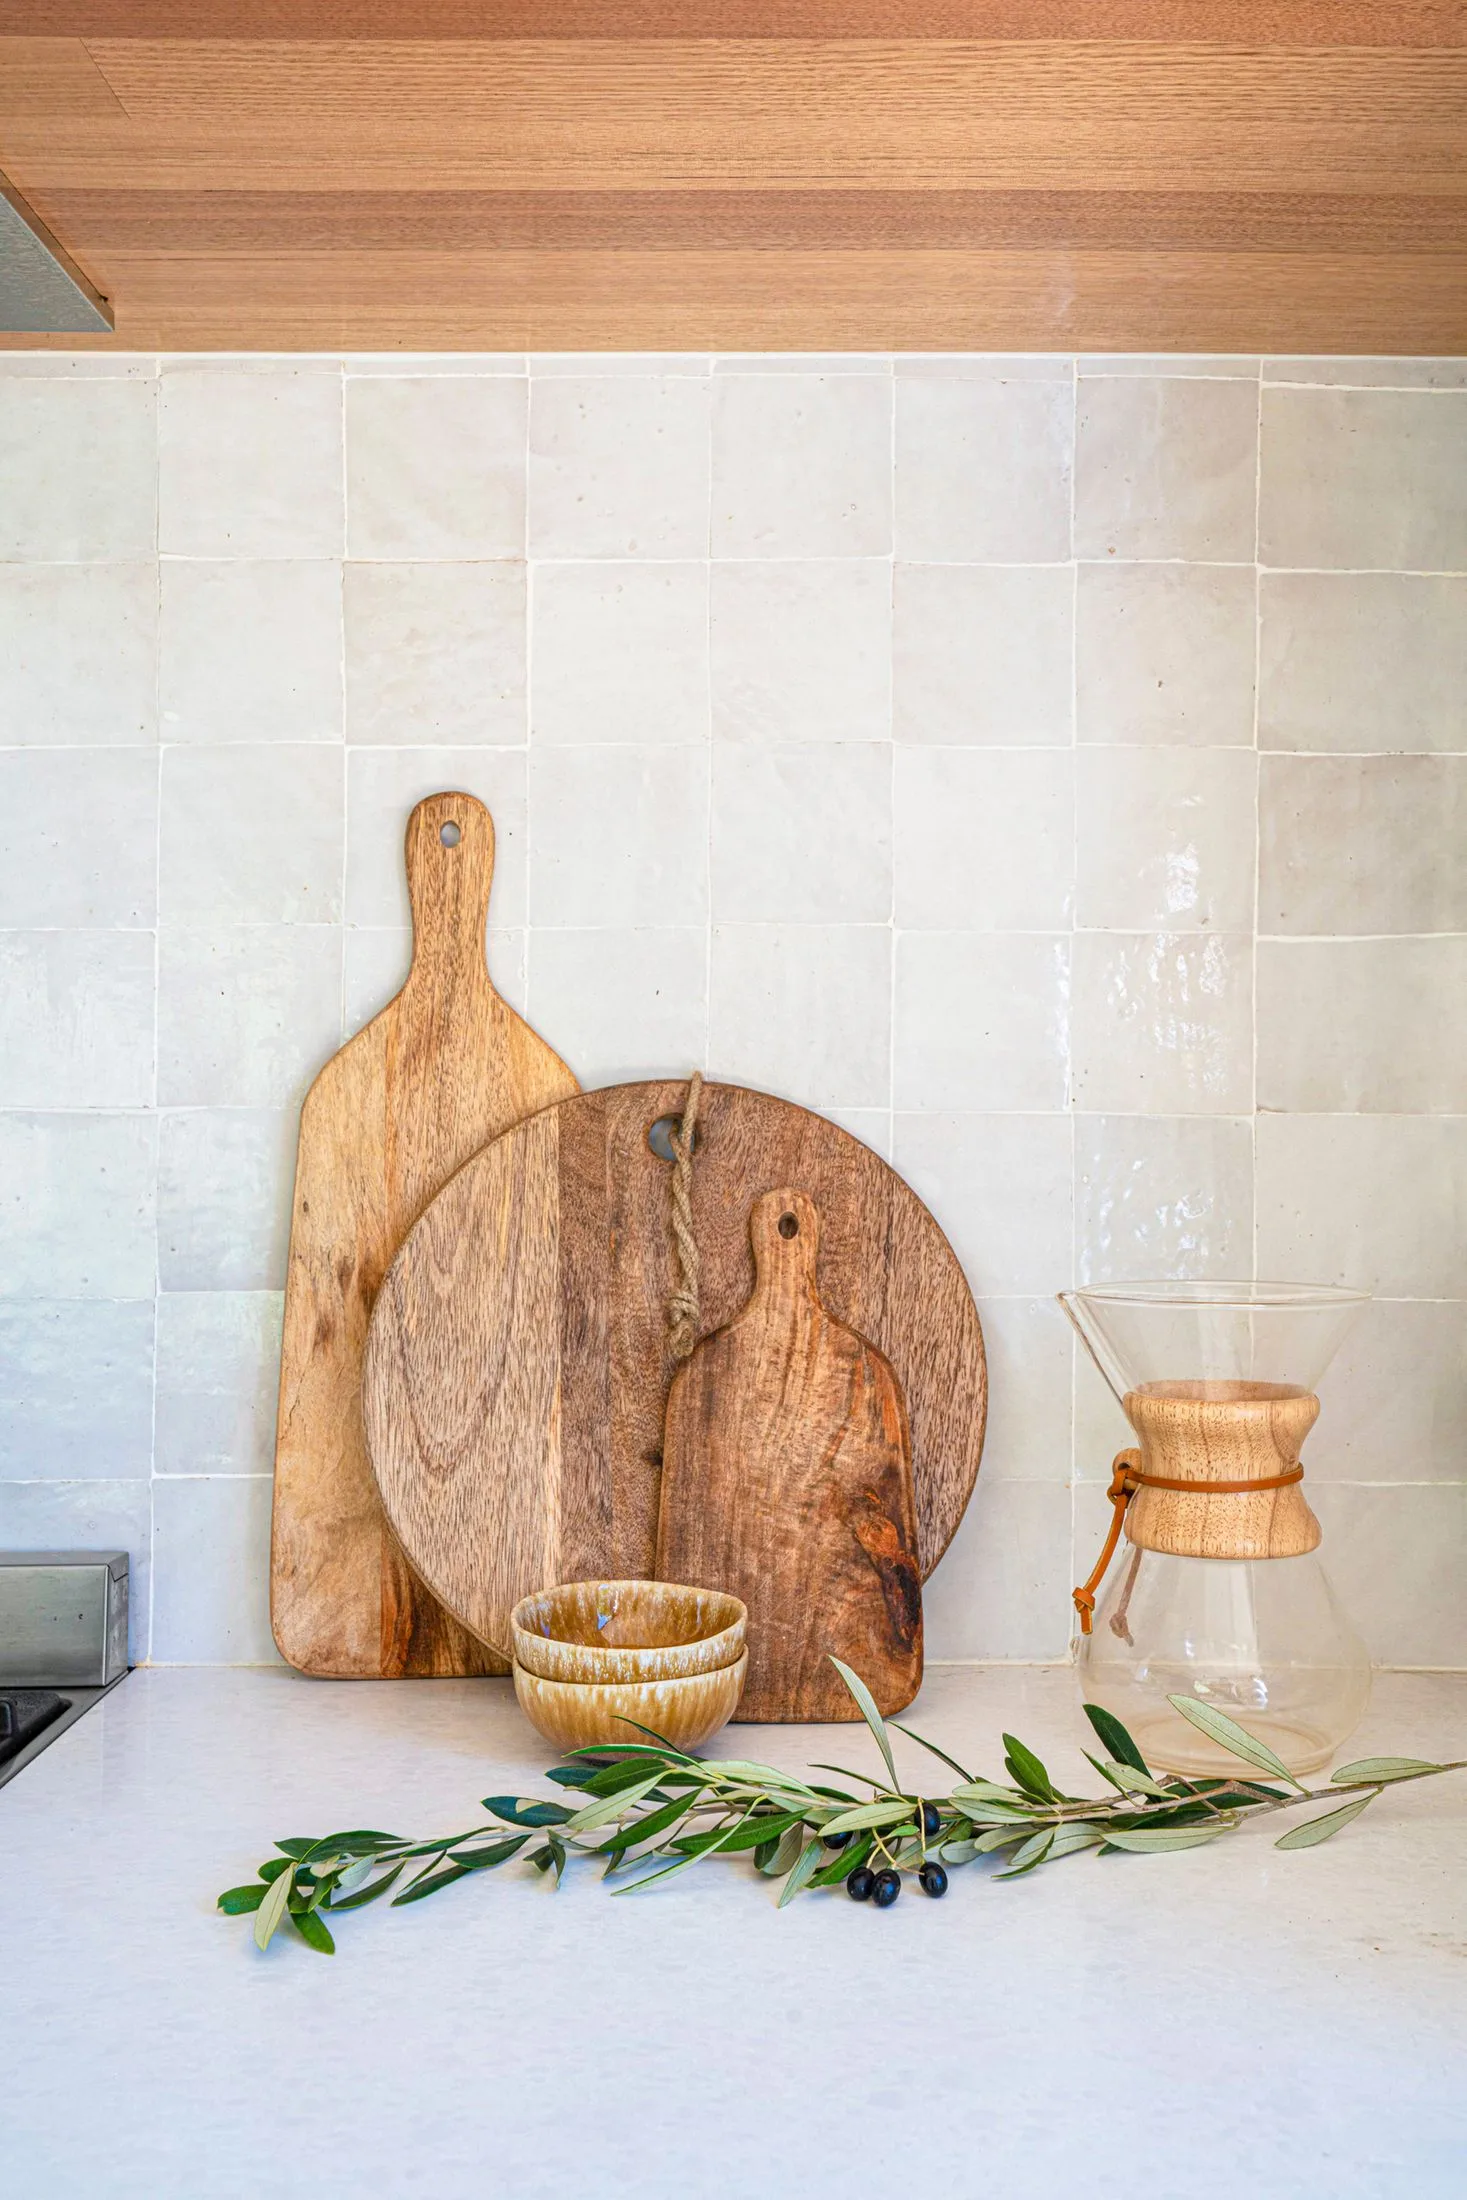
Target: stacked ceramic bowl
592, 1656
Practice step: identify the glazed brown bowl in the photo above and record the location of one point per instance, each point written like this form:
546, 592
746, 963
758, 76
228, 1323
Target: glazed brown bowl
600, 1631
684, 1710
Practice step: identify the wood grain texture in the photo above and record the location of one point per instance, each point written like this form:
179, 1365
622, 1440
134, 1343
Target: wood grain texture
445, 1066
1206, 174
687, 1710
518, 1366
1221, 1432
787, 1482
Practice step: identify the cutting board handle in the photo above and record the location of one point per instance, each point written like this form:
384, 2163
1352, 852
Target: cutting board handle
784, 1230
450, 869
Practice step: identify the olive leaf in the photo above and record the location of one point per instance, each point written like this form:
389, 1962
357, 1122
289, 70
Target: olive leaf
807, 1863
1383, 1769
272, 1909
1315, 1830
866, 1703
1230, 1736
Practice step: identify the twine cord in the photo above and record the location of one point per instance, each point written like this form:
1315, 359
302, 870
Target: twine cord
682, 1306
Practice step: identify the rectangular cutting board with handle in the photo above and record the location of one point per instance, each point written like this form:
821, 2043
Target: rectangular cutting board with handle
446, 1066
787, 1482
519, 1362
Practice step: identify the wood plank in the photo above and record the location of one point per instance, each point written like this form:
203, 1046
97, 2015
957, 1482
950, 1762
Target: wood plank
787, 1482
729, 301
1211, 22
159, 223
616, 115
42, 77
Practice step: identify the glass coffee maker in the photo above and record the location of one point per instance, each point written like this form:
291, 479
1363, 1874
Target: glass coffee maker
1218, 1592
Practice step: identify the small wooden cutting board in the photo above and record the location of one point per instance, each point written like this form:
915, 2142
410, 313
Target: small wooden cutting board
445, 1066
519, 1363
787, 1482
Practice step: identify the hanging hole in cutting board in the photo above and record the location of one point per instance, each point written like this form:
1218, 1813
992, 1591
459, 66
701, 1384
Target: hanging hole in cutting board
662, 1133
449, 834
789, 1226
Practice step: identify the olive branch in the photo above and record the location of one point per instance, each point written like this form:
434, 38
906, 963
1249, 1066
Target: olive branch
651, 1811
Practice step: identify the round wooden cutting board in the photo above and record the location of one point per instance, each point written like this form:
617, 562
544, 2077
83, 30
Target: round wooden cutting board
518, 1365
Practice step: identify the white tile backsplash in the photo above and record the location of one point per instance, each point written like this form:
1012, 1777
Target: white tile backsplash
250, 649
78, 654
880, 732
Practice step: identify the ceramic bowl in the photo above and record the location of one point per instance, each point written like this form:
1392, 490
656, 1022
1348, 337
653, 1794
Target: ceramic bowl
684, 1710
596, 1631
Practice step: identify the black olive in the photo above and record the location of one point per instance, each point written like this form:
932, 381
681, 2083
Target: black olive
933, 1878
860, 1883
931, 1819
888, 1886
834, 1840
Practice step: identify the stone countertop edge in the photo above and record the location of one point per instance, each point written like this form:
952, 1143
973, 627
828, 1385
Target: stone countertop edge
1207, 2023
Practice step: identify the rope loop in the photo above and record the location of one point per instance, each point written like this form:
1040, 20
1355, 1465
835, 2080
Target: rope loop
682, 1306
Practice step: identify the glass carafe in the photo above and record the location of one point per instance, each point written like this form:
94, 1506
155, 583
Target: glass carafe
1217, 1591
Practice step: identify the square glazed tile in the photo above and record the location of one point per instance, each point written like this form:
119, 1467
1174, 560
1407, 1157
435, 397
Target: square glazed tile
250, 462
620, 836
251, 835
1364, 478
110, 1515
435, 653
435, 466
1226, 366
77, 1197
1163, 1023
247, 1013
1162, 1196
619, 466
383, 788
620, 653
1371, 661
999, 1185
1166, 469
1165, 836
76, 1019
801, 465
224, 1196
985, 839
211, 1555
1362, 844
1374, 1026
78, 654
379, 957
1003, 1589
78, 836
803, 1010
218, 1381
1374, 1201
802, 651
76, 1389
1395, 1558
802, 836
79, 460
983, 469
1027, 1343
981, 1021
984, 654
1164, 653
250, 650
1377, 1427
621, 1002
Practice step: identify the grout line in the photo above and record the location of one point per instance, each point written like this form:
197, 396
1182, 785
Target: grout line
154, 1111
1075, 1258
341, 699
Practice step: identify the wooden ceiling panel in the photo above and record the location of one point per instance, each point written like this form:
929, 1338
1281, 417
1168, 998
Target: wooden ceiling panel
984, 175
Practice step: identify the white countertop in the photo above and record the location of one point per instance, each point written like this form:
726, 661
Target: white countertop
1219, 2022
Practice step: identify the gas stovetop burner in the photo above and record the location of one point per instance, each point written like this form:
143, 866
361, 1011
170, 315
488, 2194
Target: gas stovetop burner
25, 1713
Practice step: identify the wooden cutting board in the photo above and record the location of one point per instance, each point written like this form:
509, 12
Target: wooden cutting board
445, 1066
518, 1367
787, 1481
